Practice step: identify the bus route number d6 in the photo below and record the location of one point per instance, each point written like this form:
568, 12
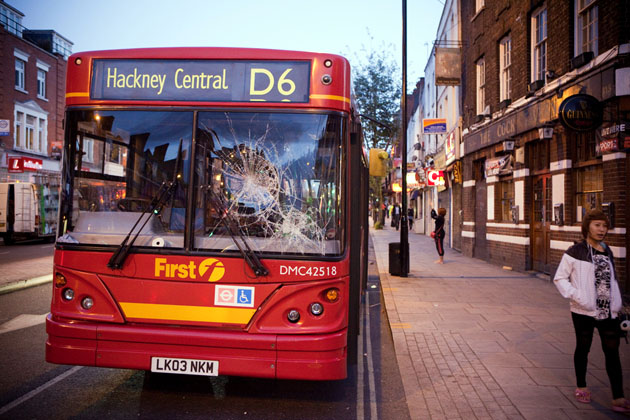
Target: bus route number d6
263, 85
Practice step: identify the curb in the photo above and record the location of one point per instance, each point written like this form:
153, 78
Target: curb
24, 284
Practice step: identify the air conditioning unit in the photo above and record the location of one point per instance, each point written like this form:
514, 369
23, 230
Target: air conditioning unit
508, 145
545, 132
582, 59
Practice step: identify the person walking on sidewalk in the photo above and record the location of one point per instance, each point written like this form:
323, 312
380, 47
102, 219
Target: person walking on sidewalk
438, 232
410, 217
586, 275
396, 216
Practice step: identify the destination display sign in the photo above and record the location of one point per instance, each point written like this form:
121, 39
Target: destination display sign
200, 80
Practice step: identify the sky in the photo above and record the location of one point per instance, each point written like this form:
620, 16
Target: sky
345, 27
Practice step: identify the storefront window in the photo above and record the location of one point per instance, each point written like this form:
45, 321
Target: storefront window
539, 156
506, 195
586, 147
589, 187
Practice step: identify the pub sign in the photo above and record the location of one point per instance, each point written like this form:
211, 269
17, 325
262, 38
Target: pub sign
580, 113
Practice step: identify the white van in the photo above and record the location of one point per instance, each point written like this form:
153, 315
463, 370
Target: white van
27, 211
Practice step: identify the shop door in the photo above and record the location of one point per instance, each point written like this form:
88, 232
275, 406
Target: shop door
541, 218
481, 216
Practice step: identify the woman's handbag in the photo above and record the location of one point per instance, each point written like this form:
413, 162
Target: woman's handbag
433, 235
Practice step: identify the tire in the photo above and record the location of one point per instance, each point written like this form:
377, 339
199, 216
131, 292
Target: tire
8, 239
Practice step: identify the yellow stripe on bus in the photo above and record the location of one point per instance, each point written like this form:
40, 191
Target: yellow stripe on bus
187, 313
330, 97
77, 94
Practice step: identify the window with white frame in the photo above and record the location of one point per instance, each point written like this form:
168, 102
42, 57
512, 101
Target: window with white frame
11, 21
41, 136
41, 84
42, 74
481, 85
31, 130
19, 129
586, 27
20, 67
505, 65
539, 44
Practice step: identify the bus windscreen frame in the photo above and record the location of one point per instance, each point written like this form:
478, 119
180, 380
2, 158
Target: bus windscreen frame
273, 177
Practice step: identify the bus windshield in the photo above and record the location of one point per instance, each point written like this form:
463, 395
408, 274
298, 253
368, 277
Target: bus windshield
272, 178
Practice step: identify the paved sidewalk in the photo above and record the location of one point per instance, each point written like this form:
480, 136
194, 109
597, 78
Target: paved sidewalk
476, 341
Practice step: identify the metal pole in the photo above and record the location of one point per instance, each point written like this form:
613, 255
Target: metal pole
404, 229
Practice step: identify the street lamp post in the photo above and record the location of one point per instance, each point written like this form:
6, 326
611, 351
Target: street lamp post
404, 229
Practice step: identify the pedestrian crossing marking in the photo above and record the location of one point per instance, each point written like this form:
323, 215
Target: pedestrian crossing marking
22, 321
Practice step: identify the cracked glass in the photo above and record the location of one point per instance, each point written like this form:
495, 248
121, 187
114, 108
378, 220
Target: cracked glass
273, 178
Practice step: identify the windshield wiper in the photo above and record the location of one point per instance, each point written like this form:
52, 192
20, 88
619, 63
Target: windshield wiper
120, 255
166, 189
234, 230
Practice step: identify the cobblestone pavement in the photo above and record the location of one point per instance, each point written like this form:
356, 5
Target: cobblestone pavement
476, 341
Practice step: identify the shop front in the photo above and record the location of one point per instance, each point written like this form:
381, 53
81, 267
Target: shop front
530, 177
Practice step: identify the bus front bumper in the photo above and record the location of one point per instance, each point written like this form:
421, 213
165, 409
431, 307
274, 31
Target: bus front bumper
304, 357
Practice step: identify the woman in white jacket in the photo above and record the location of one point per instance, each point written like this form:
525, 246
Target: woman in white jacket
586, 275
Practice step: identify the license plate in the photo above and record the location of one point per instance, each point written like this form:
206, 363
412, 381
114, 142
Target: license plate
185, 366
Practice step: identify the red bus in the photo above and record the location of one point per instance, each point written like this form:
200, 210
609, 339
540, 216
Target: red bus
212, 215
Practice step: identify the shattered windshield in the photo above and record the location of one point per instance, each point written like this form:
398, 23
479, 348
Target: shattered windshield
275, 177
115, 163
272, 178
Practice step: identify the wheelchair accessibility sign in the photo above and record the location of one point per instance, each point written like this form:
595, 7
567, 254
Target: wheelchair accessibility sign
234, 296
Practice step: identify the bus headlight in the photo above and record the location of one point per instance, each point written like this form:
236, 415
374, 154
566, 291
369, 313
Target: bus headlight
87, 302
317, 308
67, 294
293, 316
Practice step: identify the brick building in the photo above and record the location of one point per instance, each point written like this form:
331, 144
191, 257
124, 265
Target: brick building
528, 179
32, 98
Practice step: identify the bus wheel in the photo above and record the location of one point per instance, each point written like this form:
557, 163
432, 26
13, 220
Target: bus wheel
8, 239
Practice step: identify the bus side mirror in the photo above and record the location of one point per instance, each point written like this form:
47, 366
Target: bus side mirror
378, 162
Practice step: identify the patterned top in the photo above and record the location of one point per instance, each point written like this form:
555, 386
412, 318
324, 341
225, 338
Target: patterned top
602, 283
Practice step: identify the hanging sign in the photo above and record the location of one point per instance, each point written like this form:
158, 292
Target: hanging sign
457, 172
613, 137
4, 128
449, 147
448, 67
434, 125
580, 113
435, 178
499, 166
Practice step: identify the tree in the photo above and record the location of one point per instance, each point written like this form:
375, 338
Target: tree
377, 92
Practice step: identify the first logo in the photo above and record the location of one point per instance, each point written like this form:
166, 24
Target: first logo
214, 266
